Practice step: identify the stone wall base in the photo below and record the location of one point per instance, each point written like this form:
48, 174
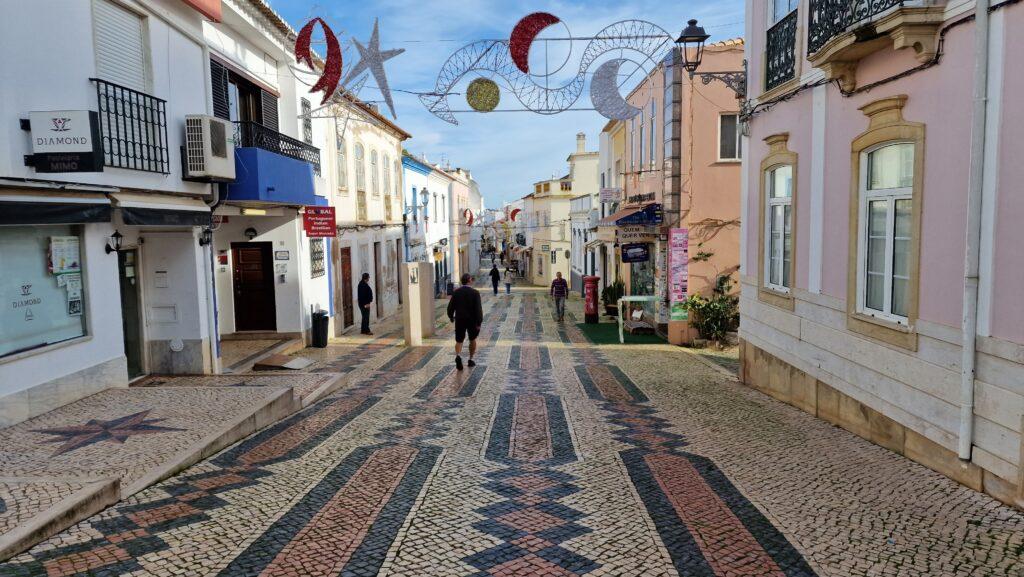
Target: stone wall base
33, 401
786, 383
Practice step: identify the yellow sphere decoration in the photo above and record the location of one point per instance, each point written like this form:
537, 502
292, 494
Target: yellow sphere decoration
483, 95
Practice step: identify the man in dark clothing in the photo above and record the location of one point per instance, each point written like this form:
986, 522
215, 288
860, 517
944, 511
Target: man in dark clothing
365, 298
495, 277
559, 290
466, 311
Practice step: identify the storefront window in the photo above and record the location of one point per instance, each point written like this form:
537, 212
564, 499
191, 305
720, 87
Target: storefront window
42, 287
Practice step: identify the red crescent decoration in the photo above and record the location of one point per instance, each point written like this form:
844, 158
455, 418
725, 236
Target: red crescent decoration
514, 213
524, 33
331, 75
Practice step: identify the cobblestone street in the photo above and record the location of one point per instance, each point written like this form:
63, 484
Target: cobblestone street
552, 457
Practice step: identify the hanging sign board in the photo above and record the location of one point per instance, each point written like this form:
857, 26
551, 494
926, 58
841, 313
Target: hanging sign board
611, 194
637, 234
318, 222
66, 141
652, 214
636, 253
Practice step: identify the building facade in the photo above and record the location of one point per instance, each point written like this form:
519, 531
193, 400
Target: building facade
868, 180
427, 190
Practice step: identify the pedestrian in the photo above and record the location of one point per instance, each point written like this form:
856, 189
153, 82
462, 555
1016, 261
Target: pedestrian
365, 298
495, 278
559, 290
508, 280
466, 311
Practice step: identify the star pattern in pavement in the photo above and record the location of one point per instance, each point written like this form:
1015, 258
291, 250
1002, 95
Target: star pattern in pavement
95, 431
372, 59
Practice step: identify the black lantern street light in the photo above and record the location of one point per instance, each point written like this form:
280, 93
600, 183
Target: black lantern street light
691, 44
114, 244
206, 236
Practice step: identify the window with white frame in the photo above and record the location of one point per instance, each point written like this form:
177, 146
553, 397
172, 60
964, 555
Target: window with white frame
360, 167
886, 203
374, 176
781, 9
341, 160
120, 40
398, 179
778, 228
730, 145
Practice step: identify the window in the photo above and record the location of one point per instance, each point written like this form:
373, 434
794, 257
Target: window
886, 209
778, 228
360, 167
398, 180
307, 121
317, 261
650, 137
781, 9
374, 175
435, 208
119, 38
632, 144
640, 145
43, 286
342, 163
444, 208
730, 145
386, 174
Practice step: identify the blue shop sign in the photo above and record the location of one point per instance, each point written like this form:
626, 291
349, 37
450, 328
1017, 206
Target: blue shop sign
651, 214
636, 253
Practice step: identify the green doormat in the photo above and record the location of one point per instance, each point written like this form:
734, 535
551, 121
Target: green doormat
608, 334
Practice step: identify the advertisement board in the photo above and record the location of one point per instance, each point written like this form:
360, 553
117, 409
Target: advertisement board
611, 195
679, 263
66, 141
318, 222
636, 253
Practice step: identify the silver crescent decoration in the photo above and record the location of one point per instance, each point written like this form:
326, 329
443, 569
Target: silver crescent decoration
492, 56
604, 92
372, 59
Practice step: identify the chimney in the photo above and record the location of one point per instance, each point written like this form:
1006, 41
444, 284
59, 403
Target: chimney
581, 143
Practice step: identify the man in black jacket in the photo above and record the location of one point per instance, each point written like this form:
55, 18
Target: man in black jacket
365, 298
466, 311
495, 278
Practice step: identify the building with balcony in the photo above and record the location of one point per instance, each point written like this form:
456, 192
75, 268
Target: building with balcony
94, 125
880, 277
427, 189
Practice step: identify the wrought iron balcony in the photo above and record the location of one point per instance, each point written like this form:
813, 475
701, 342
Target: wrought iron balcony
255, 135
133, 126
780, 62
830, 18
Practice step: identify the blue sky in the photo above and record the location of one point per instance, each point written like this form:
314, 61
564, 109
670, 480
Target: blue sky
507, 151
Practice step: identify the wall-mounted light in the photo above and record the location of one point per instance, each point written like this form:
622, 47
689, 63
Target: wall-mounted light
114, 244
206, 236
254, 212
250, 233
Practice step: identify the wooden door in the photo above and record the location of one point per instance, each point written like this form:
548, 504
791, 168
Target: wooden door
347, 308
378, 298
253, 276
131, 315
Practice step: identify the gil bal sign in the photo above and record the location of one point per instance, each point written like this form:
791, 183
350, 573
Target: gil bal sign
483, 61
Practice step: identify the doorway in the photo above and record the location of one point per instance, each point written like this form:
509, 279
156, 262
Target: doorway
253, 279
345, 270
378, 298
398, 268
131, 317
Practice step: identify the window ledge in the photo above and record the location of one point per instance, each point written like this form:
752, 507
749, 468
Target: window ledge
783, 300
905, 27
728, 161
788, 86
882, 330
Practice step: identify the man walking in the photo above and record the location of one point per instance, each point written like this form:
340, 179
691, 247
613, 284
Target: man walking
495, 278
559, 290
466, 311
365, 298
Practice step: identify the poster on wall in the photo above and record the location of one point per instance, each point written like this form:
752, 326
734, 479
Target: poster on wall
635, 253
679, 263
64, 255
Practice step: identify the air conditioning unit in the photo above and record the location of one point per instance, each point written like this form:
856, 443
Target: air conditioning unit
209, 154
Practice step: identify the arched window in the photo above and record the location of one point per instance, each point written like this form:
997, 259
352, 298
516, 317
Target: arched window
374, 176
341, 160
360, 167
385, 170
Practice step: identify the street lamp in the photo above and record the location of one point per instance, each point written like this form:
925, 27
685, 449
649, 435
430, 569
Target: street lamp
114, 244
691, 40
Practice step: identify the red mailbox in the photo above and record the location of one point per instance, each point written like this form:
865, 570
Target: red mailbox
590, 298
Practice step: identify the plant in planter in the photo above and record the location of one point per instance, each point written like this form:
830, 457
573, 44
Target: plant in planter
610, 297
715, 316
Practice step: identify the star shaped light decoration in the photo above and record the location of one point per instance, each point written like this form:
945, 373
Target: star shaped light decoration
372, 59
95, 431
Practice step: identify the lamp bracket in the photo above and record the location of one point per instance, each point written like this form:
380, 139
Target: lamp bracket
737, 80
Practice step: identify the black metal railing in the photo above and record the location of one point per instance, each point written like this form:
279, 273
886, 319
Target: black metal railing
133, 128
780, 61
255, 135
830, 18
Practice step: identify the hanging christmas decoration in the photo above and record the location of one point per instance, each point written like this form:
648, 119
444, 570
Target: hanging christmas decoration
331, 73
604, 92
468, 216
515, 212
483, 95
372, 59
523, 35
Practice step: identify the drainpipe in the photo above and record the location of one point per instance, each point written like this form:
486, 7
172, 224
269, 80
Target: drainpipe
972, 254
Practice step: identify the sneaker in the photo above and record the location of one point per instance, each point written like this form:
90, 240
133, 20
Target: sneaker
458, 362
471, 363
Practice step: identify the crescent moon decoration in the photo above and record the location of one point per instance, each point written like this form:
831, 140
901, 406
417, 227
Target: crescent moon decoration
495, 56
468, 215
483, 95
514, 214
328, 81
523, 35
604, 92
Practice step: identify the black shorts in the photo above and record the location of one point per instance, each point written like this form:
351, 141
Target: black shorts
461, 330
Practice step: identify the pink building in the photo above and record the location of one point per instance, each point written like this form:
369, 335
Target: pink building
865, 154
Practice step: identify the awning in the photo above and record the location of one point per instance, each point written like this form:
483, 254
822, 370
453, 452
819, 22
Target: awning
593, 244
36, 208
613, 219
161, 210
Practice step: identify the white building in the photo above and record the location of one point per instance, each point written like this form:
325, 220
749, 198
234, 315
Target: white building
428, 190
583, 212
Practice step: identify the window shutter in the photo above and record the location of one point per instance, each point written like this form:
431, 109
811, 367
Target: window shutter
120, 45
219, 88
307, 122
269, 108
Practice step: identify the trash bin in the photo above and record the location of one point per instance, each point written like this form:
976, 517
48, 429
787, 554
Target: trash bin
320, 320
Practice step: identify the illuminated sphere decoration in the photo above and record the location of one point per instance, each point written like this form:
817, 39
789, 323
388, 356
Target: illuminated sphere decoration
483, 95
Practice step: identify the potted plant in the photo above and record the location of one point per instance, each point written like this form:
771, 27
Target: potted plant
610, 297
716, 316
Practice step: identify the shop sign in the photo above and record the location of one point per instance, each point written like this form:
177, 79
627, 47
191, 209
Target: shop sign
318, 222
66, 141
678, 270
637, 234
652, 214
545, 247
611, 194
636, 253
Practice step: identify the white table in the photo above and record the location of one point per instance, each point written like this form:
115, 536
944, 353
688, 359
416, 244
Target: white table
635, 299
